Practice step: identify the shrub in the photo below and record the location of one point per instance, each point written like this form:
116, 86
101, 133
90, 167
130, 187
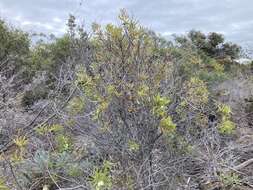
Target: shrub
76, 106
226, 126
14, 52
230, 179
63, 143
46, 168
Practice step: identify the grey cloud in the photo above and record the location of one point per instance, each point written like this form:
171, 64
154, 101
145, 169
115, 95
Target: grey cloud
234, 18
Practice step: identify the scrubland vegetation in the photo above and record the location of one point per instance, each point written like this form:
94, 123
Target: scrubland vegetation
123, 108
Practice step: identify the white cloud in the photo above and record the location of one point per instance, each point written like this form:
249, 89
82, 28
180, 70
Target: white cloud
56, 19
26, 23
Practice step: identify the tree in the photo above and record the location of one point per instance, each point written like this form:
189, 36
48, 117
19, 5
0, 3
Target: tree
212, 44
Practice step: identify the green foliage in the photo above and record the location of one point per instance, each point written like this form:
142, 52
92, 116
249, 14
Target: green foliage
101, 179
112, 91
224, 109
160, 105
13, 40
21, 141
17, 157
179, 143
161, 101
45, 129
212, 71
133, 146
226, 126
2, 185
76, 105
212, 77
35, 170
230, 179
14, 48
56, 128
74, 170
88, 84
215, 39
231, 50
63, 143
196, 92
102, 106
167, 124
143, 91
213, 44
49, 56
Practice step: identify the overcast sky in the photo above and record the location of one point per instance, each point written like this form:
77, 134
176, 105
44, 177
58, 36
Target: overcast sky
233, 18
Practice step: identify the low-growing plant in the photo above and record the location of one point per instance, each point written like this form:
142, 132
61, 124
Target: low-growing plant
101, 179
63, 143
76, 105
167, 124
226, 126
133, 146
230, 179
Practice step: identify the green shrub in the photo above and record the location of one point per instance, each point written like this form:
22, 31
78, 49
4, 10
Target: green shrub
133, 146
167, 124
63, 143
230, 179
101, 179
75, 106
35, 170
226, 126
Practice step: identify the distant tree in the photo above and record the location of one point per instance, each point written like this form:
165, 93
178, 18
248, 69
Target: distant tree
198, 39
212, 44
231, 50
214, 39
